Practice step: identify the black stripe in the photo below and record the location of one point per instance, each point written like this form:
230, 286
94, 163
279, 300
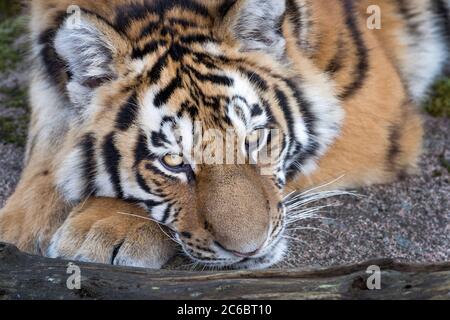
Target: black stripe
225, 7
336, 63
395, 147
165, 30
115, 252
267, 107
255, 79
141, 153
89, 166
186, 235
213, 78
53, 64
159, 139
304, 107
204, 59
293, 13
112, 159
155, 73
158, 191
256, 110
167, 213
164, 95
183, 22
409, 16
151, 204
162, 6
129, 13
177, 51
148, 203
442, 12
191, 109
142, 183
149, 48
150, 28
168, 119
362, 66
196, 38
301, 154
132, 12
128, 114
287, 112
155, 170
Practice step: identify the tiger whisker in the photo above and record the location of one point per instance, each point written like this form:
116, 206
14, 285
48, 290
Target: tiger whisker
309, 229
323, 185
297, 240
153, 220
299, 200
299, 211
305, 213
308, 217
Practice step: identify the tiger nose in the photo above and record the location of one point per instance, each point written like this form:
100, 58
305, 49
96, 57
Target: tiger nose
234, 206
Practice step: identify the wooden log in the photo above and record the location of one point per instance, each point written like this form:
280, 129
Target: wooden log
23, 276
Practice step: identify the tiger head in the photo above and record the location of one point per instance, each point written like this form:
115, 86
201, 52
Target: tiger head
148, 85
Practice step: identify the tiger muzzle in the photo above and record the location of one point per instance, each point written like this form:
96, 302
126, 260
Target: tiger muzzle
233, 203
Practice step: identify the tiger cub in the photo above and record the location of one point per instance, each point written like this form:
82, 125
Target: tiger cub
123, 90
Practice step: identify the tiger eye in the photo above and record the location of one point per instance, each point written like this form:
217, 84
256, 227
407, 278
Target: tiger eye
173, 160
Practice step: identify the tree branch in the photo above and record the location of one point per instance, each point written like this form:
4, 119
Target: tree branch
23, 276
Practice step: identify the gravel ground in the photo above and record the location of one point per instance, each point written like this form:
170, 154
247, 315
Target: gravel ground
408, 220
10, 166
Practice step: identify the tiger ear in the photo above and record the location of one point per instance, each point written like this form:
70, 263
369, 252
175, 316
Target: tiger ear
256, 24
87, 50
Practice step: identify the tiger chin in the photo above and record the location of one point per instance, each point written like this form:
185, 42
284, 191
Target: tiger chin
118, 86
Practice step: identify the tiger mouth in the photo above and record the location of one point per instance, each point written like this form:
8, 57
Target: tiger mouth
268, 257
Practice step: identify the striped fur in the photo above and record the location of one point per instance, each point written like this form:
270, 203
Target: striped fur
127, 83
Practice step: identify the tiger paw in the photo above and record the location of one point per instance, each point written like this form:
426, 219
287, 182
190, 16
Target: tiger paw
113, 232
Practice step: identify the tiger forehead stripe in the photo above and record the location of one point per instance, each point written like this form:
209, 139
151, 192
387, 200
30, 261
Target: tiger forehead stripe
130, 13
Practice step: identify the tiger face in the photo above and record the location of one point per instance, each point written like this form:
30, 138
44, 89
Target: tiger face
163, 95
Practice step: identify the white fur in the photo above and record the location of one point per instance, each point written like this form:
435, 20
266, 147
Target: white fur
186, 131
257, 26
328, 111
70, 176
88, 54
51, 114
84, 49
242, 87
52, 249
158, 212
269, 257
150, 117
103, 181
424, 59
212, 49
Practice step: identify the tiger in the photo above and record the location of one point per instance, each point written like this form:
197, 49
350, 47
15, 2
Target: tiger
119, 88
